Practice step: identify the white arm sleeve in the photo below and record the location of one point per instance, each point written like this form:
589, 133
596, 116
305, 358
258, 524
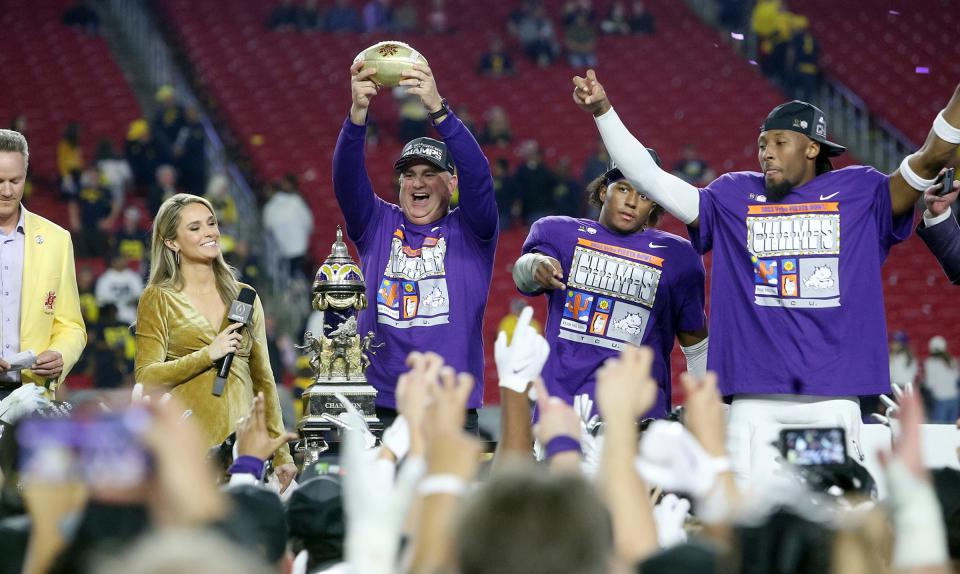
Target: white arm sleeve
678, 197
696, 355
523, 273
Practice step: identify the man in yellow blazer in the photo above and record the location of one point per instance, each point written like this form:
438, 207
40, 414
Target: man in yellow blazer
39, 304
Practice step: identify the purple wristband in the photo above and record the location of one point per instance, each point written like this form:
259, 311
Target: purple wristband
562, 443
247, 465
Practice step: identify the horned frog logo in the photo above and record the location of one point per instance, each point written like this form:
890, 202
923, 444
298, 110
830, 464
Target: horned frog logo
821, 278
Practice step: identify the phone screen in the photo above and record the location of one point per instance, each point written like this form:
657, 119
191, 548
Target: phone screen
103, 451
813, 446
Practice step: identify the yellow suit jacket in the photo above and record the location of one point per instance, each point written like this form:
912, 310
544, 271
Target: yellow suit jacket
49, 303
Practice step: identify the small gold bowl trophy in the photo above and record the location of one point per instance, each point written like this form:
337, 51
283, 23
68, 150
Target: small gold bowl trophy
390, 59
338, 356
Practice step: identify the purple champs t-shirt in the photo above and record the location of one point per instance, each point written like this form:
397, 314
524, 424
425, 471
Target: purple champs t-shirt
796, 297
427, 285
641, 288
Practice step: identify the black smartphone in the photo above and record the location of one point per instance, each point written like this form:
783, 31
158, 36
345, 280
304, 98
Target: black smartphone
813, 446
947, 180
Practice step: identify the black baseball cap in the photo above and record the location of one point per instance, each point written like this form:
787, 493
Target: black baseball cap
315, 510
804, 118
614, 173
427, 150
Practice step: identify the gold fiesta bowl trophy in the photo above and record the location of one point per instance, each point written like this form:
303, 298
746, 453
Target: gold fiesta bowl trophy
390, 59
338, 356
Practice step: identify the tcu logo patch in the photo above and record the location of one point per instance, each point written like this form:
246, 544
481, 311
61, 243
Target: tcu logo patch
50, 301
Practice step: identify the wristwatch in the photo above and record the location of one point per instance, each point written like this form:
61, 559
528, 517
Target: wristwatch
443, 111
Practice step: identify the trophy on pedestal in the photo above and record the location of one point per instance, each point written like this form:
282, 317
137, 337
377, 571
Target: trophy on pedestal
339, 356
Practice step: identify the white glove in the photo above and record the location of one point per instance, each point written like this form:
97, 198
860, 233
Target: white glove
521, 362
891, 414
352, 418
591, 441
396, 439
375, 506
671, 458
670, 516
21, 402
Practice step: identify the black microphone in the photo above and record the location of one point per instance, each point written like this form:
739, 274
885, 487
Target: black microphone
240, 312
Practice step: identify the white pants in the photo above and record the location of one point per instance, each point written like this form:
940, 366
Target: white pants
755, 422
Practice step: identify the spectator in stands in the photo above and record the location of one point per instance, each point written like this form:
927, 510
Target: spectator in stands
567, 198
164, 187
144, 154
641, 20
437, 20
581, 42
246, 263
509, 321
288, 218
531, 26
803, 60
120, 286
83, 16
283, 16
463, 112
405, 18
691, 168
92, 213
413, 118
310, 17
86, 283
596, 165
903, 365
616, 22
509, 207
132, 241
342, 17
170, 116
771, 24
19, 124
114, 170
496, 129
496, 61
377, 16
733, 13
535, 182
219, 196
574, 8
939, 228
70, 161
941, 377
114, 349
189, 153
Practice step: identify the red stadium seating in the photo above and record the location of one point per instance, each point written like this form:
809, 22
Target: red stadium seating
683, 85
878, 48
55, 75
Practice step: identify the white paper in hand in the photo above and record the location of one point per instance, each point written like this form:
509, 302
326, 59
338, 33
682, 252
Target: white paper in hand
521, 361
22, 360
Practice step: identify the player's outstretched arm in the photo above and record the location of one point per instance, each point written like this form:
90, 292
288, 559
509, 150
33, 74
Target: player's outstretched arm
919, 170
678, 197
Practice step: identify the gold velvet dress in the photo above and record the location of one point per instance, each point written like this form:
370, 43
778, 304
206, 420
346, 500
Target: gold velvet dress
172, 340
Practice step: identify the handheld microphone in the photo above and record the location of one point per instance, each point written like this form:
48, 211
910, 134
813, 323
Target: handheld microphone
240, 312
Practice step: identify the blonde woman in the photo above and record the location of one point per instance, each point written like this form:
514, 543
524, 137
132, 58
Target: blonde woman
182, 330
